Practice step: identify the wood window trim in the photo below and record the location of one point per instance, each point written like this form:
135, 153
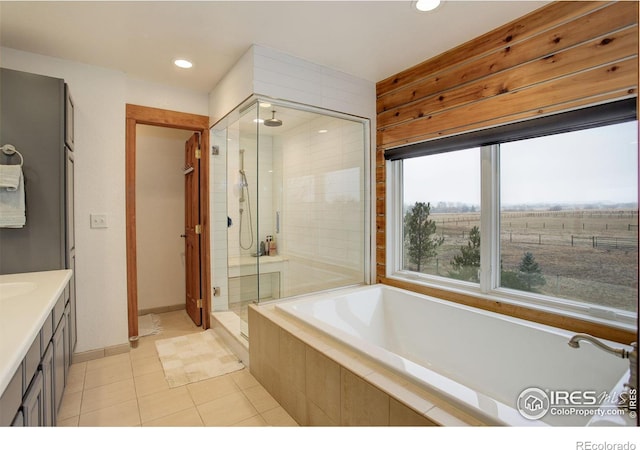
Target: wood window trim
143, 115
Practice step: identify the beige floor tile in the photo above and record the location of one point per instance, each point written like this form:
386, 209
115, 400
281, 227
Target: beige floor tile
146, 348
278, 417
121, 415
244, 379
255, 421
77, 372
107, 361
70, 405
227, 410
150, 383
260, 398
211, 389
70, 422
108, 395
108, 374
187, 418
144, 366
164, 403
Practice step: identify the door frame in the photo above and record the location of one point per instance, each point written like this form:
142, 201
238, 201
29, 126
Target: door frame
144, 115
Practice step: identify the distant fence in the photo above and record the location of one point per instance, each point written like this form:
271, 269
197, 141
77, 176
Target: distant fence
605, 242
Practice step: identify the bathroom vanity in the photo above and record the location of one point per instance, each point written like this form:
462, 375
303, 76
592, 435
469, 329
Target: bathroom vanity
35, 346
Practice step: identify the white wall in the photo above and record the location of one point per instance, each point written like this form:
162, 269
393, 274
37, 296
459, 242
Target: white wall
100, 96
160, 216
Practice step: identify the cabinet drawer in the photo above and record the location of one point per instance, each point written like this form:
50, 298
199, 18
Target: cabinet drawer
58, 310
31, 362
11, 399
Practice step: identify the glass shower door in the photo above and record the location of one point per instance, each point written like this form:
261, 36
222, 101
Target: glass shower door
242, 210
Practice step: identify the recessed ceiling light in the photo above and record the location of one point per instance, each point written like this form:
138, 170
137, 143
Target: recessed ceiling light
323, 131
183, 63
265, 105
427, 5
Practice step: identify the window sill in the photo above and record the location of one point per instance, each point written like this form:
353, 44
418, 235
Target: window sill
572, 316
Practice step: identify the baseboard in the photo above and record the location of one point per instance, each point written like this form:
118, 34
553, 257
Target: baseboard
100, 353
161, 309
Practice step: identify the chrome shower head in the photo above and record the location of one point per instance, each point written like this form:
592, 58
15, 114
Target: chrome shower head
273, 122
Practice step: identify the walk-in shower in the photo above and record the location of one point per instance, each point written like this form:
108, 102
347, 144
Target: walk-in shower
291, 206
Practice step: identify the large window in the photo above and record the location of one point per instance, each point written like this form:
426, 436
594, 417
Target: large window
548, 220
441, 215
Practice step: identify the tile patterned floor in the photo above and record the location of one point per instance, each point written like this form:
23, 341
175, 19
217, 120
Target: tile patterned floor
130, 390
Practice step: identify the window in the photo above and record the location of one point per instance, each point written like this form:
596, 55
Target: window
549, 220
569, 216
441, 215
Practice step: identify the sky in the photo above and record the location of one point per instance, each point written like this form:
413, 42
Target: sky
588, 166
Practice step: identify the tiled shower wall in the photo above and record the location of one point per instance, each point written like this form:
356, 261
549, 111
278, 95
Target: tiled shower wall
323, 204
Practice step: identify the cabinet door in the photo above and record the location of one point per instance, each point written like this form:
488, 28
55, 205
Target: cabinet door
69, 137
72, 323
18, 421
11, 399
67, 342
33, 403
59, 381
69, 202
46, 366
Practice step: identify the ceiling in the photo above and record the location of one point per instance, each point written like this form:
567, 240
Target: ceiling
368, 39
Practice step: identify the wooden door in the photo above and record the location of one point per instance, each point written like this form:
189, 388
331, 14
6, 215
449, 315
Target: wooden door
192, 228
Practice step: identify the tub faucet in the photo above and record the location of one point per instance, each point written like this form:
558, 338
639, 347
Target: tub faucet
632, 356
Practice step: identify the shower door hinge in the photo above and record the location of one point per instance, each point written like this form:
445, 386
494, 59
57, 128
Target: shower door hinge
198, 153
199, 303
216, 291
198, 229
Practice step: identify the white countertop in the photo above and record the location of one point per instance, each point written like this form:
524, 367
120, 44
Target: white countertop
26, 299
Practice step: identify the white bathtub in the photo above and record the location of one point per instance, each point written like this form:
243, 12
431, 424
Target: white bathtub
476, 360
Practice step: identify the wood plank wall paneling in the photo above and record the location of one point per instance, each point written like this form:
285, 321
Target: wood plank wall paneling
563, 56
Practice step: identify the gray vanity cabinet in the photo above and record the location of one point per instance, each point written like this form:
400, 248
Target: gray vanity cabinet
47, 368
59, 355
37, 117
33, 402
34, 394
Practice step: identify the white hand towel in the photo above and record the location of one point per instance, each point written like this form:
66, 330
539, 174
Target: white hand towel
12, 205
10, 177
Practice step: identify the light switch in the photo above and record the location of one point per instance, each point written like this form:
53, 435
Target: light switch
98, 221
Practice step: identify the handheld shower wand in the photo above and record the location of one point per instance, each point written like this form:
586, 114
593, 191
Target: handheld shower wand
244, 185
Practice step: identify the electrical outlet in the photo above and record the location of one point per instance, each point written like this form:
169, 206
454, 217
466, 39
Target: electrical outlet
98, 221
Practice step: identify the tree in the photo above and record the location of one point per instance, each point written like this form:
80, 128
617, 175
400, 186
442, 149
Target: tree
418, 231
529, 272
466, 264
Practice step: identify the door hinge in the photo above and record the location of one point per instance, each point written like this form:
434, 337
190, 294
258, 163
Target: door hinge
198, 153
198, 229
199, 303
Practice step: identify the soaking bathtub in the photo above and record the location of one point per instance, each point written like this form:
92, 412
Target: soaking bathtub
475, 360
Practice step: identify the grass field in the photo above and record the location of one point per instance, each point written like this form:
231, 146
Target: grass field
586, 255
